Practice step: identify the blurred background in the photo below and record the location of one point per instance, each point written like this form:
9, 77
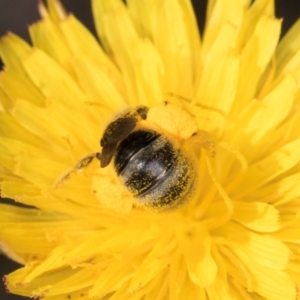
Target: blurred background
17, 15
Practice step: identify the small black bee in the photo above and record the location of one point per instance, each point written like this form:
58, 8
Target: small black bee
156, 172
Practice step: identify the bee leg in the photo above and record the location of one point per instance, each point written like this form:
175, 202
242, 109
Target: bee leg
81, 164
86, 160
203, 139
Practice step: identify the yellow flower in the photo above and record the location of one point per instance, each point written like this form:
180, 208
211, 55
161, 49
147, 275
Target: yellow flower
238, 235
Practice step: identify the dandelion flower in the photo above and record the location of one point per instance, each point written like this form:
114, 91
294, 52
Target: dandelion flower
238, 235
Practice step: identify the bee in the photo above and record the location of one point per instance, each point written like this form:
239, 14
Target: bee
146, 148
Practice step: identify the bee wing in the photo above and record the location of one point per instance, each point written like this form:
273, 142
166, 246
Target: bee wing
118, 130
107, 154
115, 133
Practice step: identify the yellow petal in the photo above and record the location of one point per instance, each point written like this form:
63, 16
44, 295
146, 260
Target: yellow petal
5, 101
272, 284
56, 10
267, 169
145, 14
75, 283
289, 234
219, 290
288, 47
252, 118
149, 73
82, 42
13, 50
12, 150
224, 19
54, 82
38, 232
47, 36
10, 128
138, 60
29, 168
195, 246
254, 58
172, 27
8, 252
260, 249
253, 14
65, 96
15, 86
220, 99
18, 190
90, 75
37, 288
279, 192
42, 126
257, 216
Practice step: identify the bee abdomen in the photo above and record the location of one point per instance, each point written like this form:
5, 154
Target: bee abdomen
156, 173
135, 142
